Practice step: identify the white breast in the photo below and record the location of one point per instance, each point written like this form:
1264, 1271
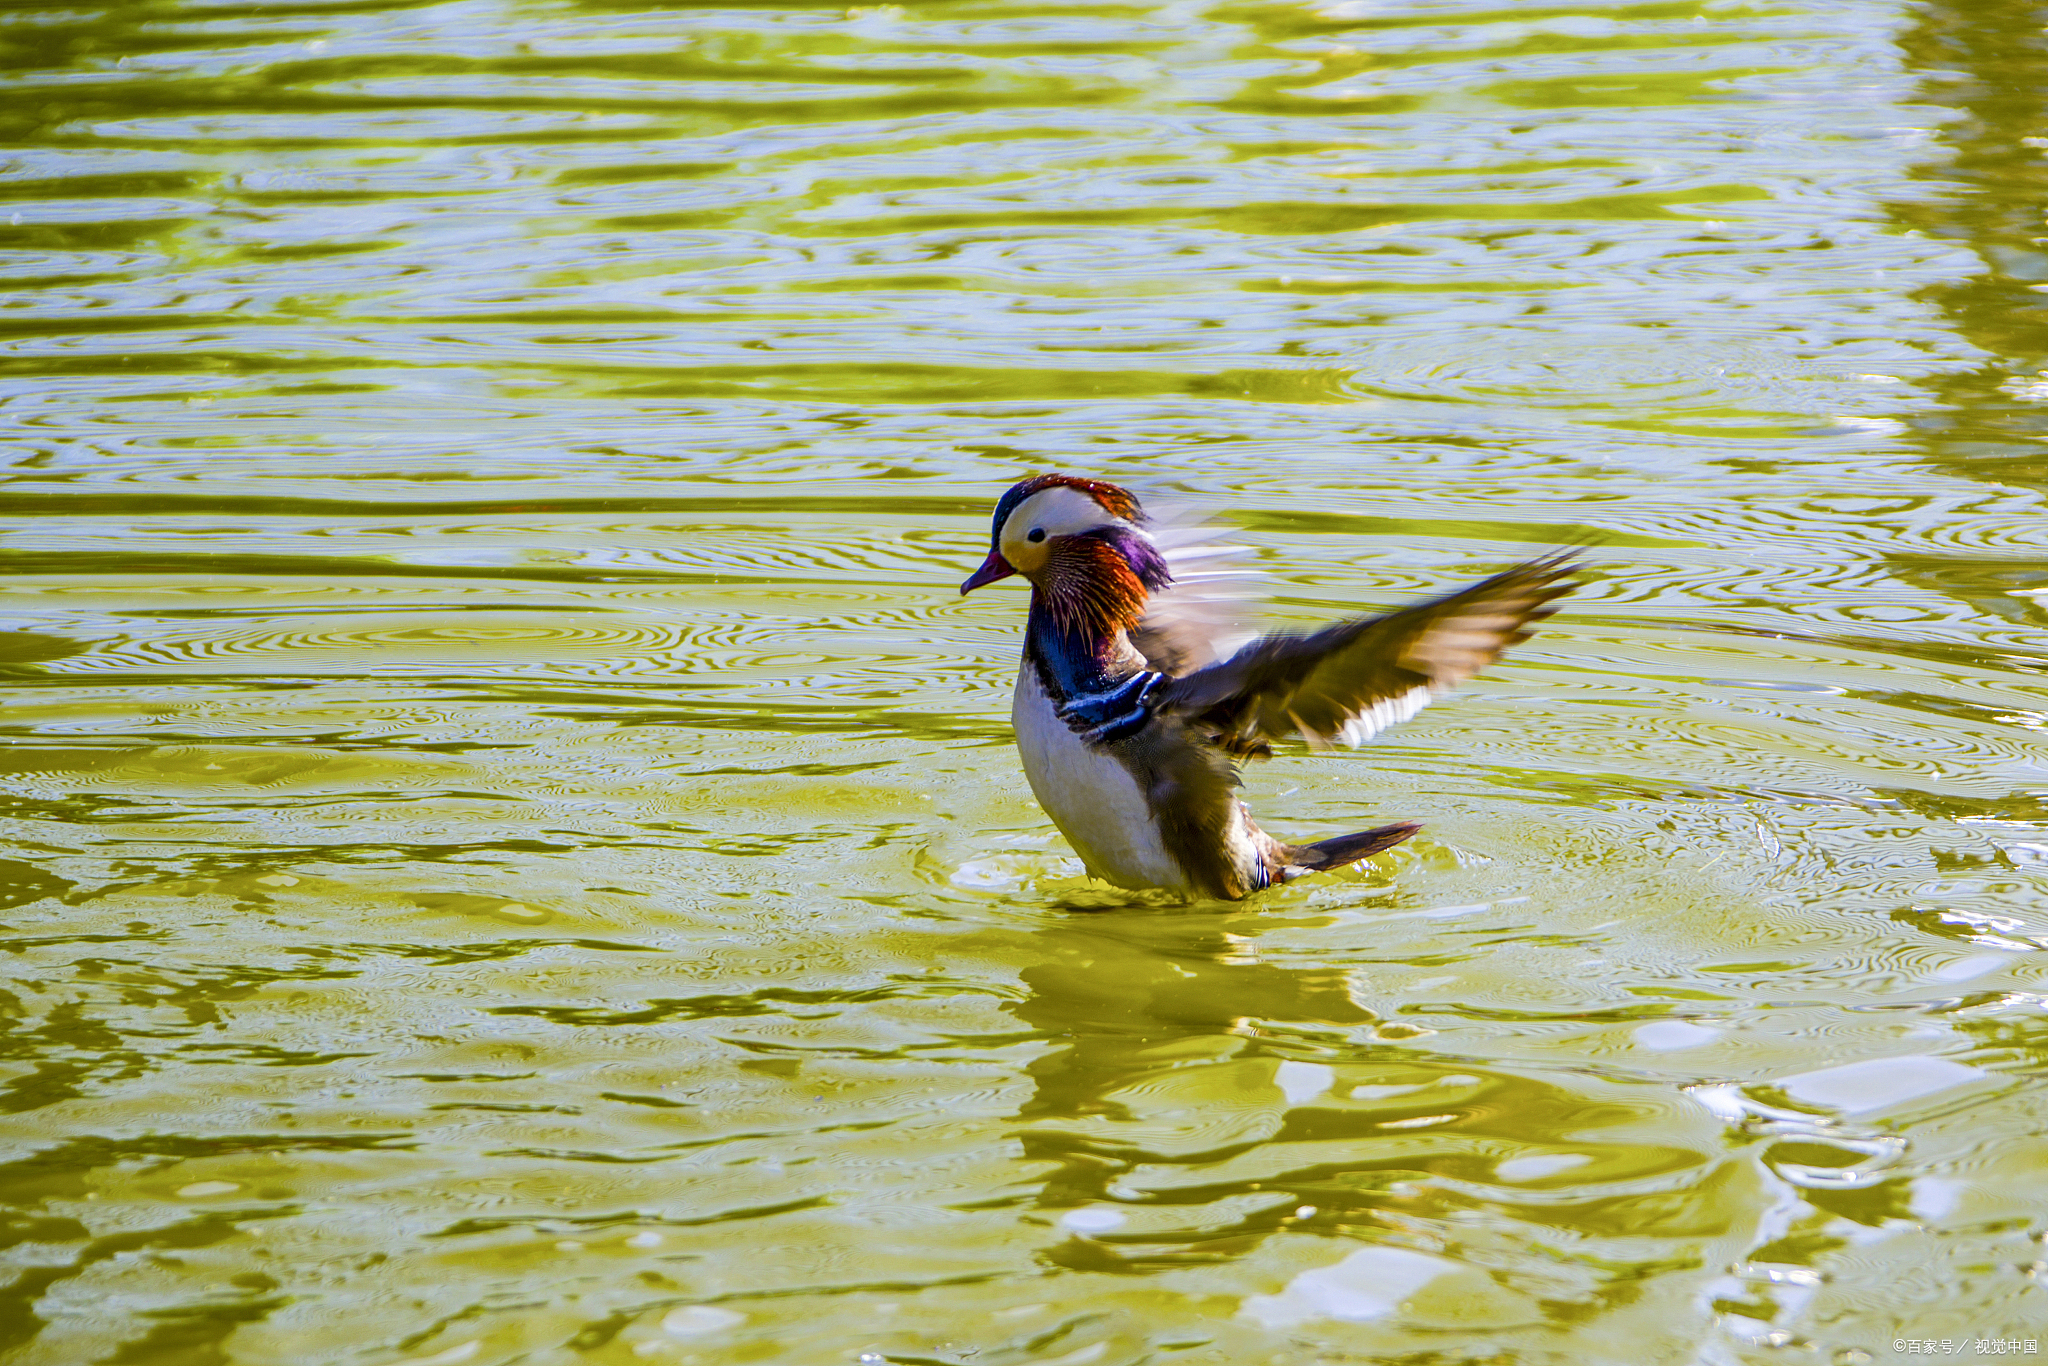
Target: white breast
1090, 796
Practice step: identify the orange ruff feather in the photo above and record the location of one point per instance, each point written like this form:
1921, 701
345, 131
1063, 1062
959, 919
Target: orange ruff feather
1089, 587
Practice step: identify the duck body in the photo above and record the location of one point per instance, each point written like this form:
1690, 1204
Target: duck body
1142, 810
1132, 713
1095, 794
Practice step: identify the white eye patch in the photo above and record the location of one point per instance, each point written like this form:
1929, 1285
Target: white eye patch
1057, 511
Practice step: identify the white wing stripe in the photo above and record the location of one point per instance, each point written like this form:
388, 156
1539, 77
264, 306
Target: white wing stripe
1388, 711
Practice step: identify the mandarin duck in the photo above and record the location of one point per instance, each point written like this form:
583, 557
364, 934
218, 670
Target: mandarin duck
1132, 711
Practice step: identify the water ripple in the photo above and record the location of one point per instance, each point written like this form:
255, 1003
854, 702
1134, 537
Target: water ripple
504, 796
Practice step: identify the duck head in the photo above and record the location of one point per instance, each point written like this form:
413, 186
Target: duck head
1081, 544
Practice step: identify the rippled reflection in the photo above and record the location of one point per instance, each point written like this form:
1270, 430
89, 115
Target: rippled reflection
513, 849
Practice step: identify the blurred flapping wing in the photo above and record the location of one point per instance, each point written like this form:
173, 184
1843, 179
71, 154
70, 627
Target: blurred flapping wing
1200, 618
1346, 683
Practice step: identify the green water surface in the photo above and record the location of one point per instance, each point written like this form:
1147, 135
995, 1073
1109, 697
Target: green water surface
513, 847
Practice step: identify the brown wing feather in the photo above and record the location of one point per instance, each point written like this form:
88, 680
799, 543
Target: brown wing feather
1349, 681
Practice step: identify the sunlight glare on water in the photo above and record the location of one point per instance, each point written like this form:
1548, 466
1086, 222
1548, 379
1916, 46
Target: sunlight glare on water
515, 852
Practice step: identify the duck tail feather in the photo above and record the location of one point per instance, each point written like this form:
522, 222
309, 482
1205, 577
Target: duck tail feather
1339, 850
